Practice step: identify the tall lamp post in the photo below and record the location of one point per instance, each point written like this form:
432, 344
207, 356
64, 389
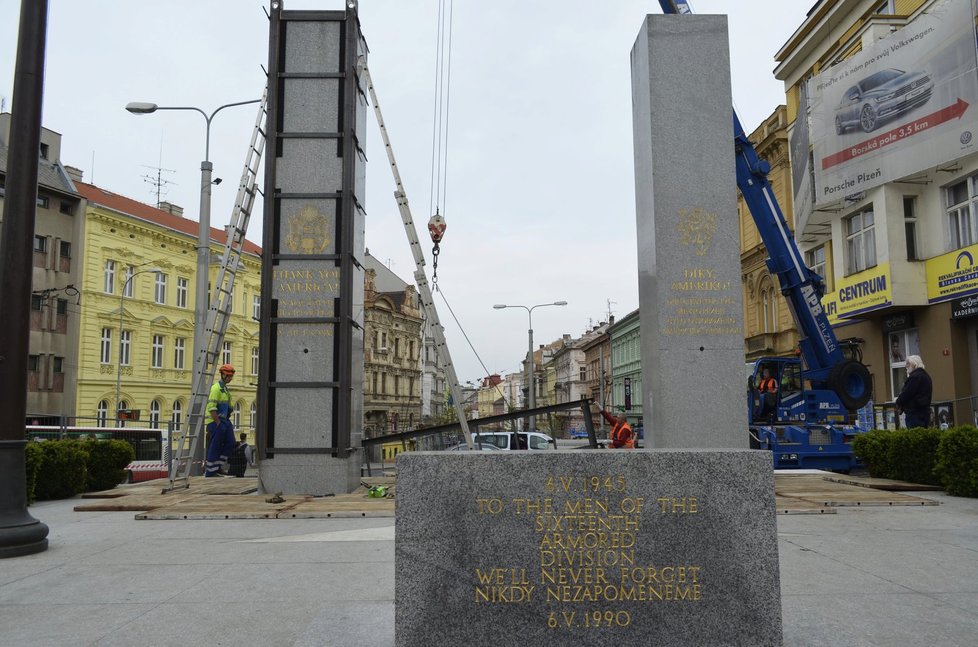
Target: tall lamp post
204, 229
529, 358
20, 533
118, 368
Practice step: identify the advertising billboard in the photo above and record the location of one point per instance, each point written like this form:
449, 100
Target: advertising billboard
859, 293
907, 103
952, 275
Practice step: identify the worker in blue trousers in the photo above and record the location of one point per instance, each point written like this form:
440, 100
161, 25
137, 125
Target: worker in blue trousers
220, 431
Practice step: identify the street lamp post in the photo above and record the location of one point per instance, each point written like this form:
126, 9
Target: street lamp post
529, 358
118, 368
204, 228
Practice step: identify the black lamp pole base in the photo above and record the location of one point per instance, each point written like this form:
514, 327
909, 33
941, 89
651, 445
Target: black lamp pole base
20, 533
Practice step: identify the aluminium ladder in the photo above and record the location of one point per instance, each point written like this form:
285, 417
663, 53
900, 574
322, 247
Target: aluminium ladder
220, 307
427, 300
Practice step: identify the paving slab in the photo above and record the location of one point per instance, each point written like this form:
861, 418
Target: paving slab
890, 576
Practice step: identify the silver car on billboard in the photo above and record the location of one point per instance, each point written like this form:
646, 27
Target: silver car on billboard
880, 97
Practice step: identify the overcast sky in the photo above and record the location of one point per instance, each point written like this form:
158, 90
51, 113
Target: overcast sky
540, 199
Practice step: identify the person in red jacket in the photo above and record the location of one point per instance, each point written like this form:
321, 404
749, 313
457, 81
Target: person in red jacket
621, 432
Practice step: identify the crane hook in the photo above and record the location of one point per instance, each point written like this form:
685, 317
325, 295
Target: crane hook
436, 229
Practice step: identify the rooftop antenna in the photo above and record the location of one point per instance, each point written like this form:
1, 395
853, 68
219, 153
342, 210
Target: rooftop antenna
610, 311
157, 181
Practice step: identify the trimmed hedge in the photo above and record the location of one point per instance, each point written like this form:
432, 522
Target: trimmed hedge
58, 469
33, 455
871, 447
957, 461
929, 456
107, 460
63, 471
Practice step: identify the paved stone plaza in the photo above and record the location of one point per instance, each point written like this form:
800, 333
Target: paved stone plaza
900, 576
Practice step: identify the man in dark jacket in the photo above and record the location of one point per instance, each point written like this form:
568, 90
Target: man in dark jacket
914, 398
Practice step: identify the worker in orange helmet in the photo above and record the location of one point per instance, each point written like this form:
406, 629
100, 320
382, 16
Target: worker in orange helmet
622, 436
219, 430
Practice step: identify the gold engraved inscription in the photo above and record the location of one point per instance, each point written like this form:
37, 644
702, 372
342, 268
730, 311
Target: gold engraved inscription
697, 227
591, 570
701, 305
308, 231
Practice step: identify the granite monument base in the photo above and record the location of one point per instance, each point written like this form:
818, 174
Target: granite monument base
589, 547
315, 474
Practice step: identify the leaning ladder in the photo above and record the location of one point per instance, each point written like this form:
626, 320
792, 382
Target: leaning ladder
424, 291
220, 307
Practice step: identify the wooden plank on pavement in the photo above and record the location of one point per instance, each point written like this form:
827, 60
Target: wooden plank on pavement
883, 484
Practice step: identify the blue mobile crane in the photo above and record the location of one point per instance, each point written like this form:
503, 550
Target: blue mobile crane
805, 423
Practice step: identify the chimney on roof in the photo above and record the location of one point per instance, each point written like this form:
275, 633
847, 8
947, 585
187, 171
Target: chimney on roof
76, 174
611, 320
171, 208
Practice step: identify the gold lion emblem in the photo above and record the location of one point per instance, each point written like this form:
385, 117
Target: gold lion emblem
308, 232
698, 228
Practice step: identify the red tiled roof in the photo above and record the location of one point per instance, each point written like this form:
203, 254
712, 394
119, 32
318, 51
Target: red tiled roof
144, 211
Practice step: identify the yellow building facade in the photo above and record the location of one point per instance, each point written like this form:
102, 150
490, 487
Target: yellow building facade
769, 328
137, 316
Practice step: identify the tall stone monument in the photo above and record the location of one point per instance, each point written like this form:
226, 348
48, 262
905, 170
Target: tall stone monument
596, 547
311, 378
688, 231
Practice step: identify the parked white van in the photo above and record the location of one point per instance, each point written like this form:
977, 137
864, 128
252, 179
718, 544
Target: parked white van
504, 440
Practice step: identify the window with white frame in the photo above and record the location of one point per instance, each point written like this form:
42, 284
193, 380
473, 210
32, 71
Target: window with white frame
236, 420
860, 241
101, 413
226, 353
183, 288
903, 344
253, 416
154, 414
109, 277
910, 226
179, 352
961, 199
815, 260
128, 282
40, 244
121, 406
885, 8
125, 344
160, 293
254, 360
105, 353
156, 359
177, 413
256, 307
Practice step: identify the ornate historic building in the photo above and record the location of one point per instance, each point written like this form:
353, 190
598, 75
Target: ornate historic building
393, 341
135, 345
768, 326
